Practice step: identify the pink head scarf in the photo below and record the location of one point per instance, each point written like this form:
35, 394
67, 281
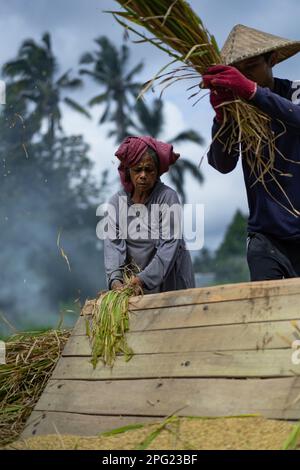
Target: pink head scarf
132, 149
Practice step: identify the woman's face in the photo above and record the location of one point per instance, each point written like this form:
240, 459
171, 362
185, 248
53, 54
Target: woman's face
144, 174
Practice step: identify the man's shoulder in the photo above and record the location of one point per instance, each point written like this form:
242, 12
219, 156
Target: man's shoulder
283, 87
283, 80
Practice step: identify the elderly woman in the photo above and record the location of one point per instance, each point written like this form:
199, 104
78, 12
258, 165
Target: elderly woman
163, 263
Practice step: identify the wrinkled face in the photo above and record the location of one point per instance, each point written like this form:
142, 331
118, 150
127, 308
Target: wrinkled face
144, 174
257, 69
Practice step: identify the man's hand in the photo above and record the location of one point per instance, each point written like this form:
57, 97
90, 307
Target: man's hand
219, 96
228, 77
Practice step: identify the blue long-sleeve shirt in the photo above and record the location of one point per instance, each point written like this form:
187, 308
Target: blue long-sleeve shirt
265, 214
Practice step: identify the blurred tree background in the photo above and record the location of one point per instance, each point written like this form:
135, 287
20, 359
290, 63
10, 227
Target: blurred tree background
51, 259
48, 195
229, 263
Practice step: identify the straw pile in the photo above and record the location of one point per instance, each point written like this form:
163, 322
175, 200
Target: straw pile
178, 31
30, 359
245, 433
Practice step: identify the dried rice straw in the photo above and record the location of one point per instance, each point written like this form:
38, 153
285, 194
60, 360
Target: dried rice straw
30, 360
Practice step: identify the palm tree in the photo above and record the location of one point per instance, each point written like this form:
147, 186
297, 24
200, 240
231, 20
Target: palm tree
110, 71
34, 79
151, 122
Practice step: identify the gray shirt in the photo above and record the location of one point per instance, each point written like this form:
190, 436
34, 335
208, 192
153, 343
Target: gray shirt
164, 263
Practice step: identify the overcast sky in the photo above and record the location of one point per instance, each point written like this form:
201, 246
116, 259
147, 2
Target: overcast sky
74, 24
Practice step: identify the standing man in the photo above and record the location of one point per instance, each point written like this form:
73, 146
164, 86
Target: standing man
273, 242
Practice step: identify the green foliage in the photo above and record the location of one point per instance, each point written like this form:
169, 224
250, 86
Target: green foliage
229, 262
235, 238
205, 262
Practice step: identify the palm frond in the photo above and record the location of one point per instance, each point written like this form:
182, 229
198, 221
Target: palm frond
99, 99
77, 107
189, 135
105, 115
73, 84
86, 58
137, 69
47, 40
185, 165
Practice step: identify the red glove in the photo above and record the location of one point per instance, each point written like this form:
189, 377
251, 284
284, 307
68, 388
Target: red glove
229, 77
217, 98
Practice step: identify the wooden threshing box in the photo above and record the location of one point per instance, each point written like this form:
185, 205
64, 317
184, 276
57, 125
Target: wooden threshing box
219, 351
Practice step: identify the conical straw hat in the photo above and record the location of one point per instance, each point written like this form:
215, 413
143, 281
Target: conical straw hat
243, 43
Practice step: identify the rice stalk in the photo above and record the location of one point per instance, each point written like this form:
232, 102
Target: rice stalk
153, 435
30, 360
293, 440
121, 430
178, 31
110, 322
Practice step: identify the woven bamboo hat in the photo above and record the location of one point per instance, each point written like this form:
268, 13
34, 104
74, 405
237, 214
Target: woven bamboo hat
244, 43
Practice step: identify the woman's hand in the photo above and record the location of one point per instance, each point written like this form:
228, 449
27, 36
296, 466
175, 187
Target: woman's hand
117, 285
137, 284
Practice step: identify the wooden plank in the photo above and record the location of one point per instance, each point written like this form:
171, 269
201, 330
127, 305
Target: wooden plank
268, 363
162, 397
214, 313
247, 290
49, 422
268, 335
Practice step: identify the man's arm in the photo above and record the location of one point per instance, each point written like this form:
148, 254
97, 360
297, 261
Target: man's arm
278, 107
218, 156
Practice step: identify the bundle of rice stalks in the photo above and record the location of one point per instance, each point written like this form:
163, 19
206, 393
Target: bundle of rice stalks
110, 322
176, 29
30, 360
